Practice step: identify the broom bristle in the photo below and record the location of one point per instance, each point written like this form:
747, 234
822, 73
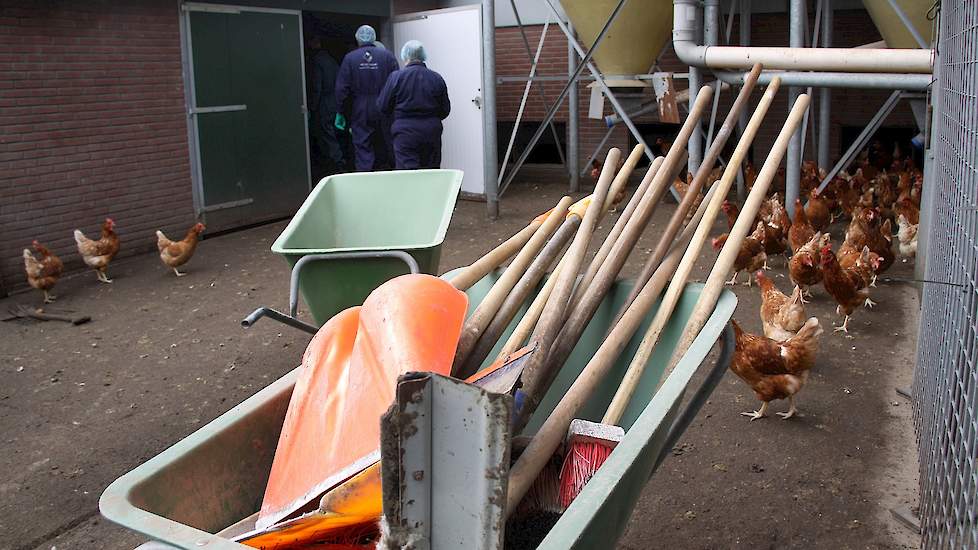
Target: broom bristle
544, 493
580, 464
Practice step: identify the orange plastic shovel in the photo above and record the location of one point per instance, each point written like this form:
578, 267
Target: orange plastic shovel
349, 372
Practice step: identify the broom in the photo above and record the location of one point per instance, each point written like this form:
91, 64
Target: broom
593, 449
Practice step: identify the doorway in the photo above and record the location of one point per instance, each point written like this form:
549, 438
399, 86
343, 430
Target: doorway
248, 109
329, 36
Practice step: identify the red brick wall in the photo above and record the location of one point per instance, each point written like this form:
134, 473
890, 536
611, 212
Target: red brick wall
92, 124
849, 107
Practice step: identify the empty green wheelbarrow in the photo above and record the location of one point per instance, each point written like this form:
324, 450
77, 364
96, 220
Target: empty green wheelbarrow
356, 231
208, 487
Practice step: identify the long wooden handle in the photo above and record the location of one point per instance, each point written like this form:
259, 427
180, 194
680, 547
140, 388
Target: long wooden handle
593, 296
475, 271
487, 308
745, 220
640, 359
548, 438
534, 378
532, 315
699, 180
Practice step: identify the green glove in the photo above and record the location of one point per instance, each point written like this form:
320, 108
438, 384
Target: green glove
340, 122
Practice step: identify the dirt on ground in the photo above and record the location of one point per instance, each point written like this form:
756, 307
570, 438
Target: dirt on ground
82, 405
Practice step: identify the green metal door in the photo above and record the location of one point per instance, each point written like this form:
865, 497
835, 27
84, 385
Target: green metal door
249, 114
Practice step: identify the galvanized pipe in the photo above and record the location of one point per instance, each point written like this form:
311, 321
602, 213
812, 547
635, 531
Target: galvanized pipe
490, 154
875, 81
573, 143
685, 39
797, 17
745, 12
825, 94
695, 145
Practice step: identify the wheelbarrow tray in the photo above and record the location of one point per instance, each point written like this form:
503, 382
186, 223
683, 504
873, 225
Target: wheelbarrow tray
367, 212
215, 478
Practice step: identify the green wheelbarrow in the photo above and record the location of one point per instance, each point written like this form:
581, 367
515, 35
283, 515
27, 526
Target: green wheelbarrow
207, 488
356, 231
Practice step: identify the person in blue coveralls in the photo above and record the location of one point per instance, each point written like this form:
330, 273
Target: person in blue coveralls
417, 99
362, 74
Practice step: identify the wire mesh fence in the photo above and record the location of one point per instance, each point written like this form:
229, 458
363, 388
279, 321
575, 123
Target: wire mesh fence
946, 377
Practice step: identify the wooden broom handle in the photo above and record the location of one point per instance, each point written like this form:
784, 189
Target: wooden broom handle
699, 180
548, 438
475, 271
678, 284
745, 220
484, 313
532, 315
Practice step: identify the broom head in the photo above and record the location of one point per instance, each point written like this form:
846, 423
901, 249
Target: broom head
588, 445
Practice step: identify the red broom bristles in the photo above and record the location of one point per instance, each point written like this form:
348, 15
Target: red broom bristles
580, 464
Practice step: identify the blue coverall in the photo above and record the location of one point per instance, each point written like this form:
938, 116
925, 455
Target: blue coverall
417, 98
362, 75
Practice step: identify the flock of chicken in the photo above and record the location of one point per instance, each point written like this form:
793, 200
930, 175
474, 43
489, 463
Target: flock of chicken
43, 272
776, 365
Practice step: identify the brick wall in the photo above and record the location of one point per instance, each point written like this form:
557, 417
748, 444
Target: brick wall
849, 107
92, 124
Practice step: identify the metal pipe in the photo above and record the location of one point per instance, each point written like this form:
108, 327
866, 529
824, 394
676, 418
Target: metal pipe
573, 142
793, 58
263, 311
711, 37
797, 16
695, 145
409, 260
876, 81
825, 94
745, 13
490, 171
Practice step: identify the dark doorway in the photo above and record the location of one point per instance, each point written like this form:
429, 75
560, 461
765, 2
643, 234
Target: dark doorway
884, 143
657, 135
328, 38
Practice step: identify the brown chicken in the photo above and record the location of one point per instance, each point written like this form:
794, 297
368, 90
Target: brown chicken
781, 316
42, 273
800, 231
846, 193
844, 285
775, 370
803, 267
906, 208
177, 253
98, 254
907, 235
732, 211
776, 227
862, 262
750, 257
817, 210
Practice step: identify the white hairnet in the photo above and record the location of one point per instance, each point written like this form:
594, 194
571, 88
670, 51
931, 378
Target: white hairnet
366, 35
413, 50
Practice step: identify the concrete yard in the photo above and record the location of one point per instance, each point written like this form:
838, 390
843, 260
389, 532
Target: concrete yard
81, 405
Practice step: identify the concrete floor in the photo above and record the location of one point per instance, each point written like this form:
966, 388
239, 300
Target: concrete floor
80, 406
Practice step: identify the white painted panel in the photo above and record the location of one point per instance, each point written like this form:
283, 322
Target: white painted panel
453, 40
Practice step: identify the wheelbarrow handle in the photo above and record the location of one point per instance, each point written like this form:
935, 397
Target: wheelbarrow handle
696, 402
303, 261
254, 316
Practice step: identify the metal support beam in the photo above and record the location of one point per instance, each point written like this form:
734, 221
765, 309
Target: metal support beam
745, 12
797, 15
695, 144
863, 138
573, 121
489, 151
825, 94
711, 37
585, 62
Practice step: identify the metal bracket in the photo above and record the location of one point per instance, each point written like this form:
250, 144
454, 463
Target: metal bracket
445, 460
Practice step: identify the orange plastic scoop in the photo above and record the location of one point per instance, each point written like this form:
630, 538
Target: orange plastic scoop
347, 381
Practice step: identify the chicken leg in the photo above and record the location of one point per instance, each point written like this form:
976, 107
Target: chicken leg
844, 328
102, 276
791, 409
177, 271
869, 303
48, 298
733, 280
759, 413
